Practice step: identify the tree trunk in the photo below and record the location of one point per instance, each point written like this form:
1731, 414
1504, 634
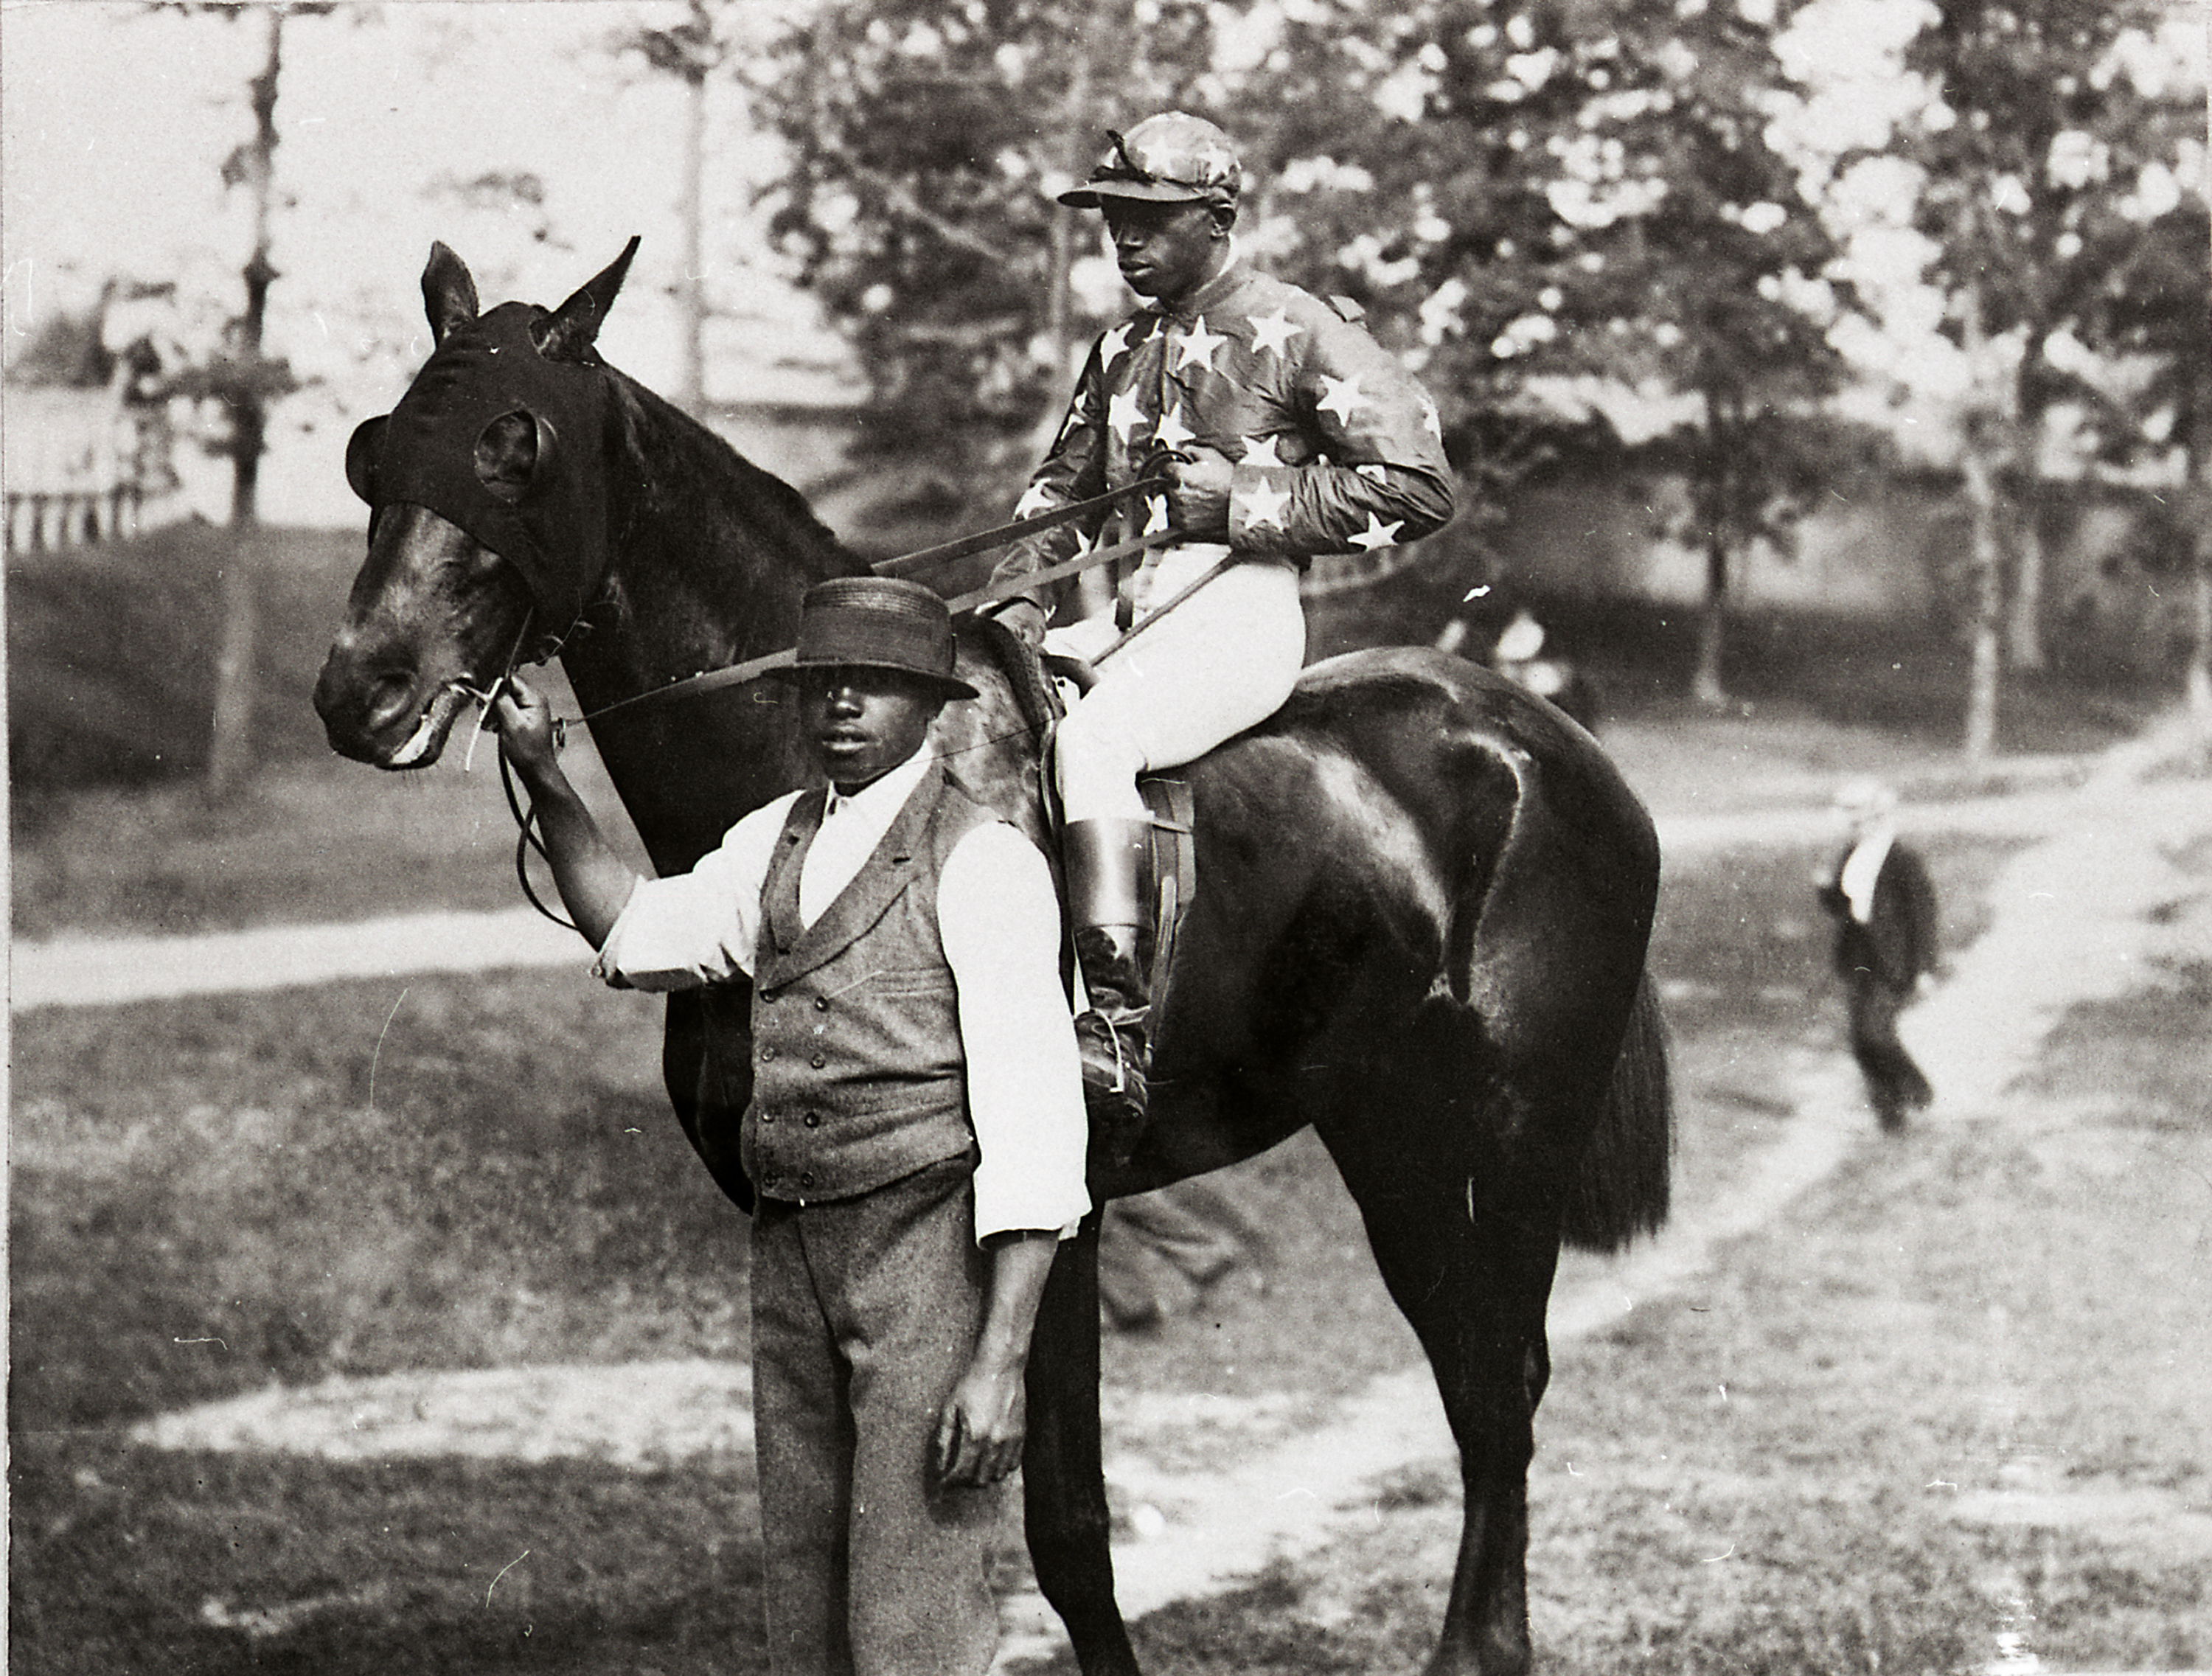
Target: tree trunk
2024, 623
1980, 463
1987, 636
2198, 677
1712, 626
691, 287
1716, 495
230, 741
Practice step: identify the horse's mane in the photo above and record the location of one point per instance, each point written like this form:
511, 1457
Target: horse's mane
690, 460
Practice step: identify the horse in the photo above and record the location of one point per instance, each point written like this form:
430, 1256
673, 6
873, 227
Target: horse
1420, 925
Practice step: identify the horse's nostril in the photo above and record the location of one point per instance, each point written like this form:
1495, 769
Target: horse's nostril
351, 693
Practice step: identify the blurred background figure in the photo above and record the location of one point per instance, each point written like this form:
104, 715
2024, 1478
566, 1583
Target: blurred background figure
1159, 1253
1884, 906
1518, 655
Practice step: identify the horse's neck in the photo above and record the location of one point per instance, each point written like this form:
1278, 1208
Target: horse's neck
711, 555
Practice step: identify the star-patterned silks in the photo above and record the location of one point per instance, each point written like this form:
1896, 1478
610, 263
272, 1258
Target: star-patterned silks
1036, 498
1273, 332
1264, 505
1332, 447
1195, 347
1377, 534
1342, 397
1126, 414
1173, 432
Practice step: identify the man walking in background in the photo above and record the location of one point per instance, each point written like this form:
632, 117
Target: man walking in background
1884, 908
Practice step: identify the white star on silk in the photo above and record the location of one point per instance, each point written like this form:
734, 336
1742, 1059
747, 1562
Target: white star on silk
1343, 397
1261, 451
1264, 505
1197, 346
1173, 432
1377, 533
1124, 414
1156, 514
1373, 472
1273, 332
1035, 499
1114, 345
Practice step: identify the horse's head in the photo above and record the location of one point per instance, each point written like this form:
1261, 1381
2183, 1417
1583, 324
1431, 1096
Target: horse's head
488, 514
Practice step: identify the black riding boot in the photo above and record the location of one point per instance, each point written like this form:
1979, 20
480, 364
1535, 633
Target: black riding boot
1106, 868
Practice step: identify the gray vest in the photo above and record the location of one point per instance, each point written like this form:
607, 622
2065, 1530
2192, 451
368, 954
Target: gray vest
858, 1075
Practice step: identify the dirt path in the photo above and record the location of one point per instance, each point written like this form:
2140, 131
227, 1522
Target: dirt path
1216, 1487
101, 970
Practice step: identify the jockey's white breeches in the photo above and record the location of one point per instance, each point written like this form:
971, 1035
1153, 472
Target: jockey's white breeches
1220, 662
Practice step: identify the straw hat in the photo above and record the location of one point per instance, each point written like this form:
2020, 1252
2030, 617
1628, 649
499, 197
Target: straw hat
878, 622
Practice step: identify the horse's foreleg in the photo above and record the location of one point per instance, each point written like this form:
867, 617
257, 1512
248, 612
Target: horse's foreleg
1063, 1469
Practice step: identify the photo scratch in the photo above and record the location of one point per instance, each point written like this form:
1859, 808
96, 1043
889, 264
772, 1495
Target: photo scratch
503, 1570
379, 1053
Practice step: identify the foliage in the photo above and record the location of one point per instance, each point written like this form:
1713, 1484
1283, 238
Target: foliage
2056, 158
1546, 206
923, 142
2057, 168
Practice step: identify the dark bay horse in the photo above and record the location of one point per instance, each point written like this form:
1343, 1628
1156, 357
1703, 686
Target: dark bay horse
1419, 926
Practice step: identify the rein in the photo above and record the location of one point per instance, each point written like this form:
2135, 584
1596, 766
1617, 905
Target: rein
928, 558
907, 564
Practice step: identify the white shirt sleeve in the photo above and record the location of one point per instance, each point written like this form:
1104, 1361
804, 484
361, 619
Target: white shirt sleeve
999, 920
700, 926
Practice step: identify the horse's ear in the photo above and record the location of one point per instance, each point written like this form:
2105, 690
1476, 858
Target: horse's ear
449, 295
573, 327
361, 449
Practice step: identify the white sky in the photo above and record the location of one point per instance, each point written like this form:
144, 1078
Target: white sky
116, 123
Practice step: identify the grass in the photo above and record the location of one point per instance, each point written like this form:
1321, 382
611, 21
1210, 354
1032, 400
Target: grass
212, 1195
1881, 1434
111, 651
216, 1193
359, 1178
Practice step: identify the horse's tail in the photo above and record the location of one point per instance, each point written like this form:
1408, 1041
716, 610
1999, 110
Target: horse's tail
1622, 1183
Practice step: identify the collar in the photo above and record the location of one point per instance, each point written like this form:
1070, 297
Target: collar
886, 795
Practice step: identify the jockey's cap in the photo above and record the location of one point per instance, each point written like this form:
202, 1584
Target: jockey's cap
1172, 158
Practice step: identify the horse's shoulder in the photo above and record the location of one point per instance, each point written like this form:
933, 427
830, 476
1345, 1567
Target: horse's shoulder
992, 743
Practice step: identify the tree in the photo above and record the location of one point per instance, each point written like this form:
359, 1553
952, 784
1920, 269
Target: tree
2038, 151
1600, 227
924, 141
246, 382
693, 51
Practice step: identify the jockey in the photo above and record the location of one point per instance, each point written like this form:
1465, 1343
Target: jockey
1286, 431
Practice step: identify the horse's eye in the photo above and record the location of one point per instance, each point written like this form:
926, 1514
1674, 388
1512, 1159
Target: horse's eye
361, 450
515, 454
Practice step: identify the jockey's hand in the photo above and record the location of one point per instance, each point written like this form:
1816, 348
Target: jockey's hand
524, 722
1026, 618
1198, 498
